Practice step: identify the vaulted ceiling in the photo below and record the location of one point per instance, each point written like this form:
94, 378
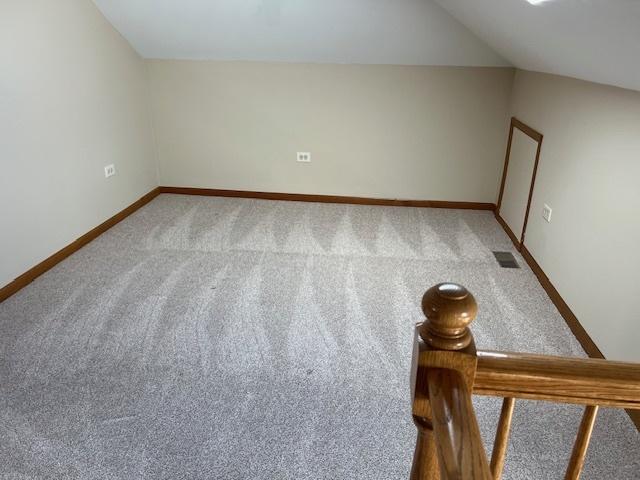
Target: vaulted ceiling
407, 32
596, 40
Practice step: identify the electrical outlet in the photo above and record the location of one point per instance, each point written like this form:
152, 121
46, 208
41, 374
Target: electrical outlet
546, 212
109, 171
304, 157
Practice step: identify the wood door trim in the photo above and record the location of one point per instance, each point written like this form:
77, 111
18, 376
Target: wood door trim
533, 183
506, 166
537, 137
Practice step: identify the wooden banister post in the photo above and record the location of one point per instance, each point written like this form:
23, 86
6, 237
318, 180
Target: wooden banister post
442, 341
449, 309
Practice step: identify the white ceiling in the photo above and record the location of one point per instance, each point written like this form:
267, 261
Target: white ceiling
596, 40
405, 32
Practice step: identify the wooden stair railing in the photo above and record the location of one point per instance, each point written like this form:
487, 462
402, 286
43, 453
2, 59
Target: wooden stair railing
447, 370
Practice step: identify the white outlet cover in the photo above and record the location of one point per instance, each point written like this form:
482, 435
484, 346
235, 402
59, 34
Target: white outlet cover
109, 171
304, 157
546, 212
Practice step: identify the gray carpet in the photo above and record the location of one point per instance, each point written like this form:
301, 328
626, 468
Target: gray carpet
247, 339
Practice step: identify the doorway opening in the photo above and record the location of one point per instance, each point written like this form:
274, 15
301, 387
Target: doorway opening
518, 180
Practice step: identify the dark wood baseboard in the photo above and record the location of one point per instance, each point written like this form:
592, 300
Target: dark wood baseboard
587, 343
302, 197
570, 318
635, 417
33, 273
573, 323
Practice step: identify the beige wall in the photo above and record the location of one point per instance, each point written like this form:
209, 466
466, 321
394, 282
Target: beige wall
434, 133
73, 98
588, 173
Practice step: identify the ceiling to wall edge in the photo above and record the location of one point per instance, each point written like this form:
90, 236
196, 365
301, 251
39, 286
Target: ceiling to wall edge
505, 61
496, 61
595, 26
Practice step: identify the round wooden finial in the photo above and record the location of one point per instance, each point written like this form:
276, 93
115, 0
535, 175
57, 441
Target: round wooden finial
449, 309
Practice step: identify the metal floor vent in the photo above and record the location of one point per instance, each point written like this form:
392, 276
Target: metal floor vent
506, 259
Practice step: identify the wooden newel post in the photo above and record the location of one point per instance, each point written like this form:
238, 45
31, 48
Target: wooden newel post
442, 341
449, 309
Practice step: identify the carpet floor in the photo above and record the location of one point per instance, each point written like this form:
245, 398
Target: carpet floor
219, 338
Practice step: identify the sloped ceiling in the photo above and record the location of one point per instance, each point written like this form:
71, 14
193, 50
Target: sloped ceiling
595, 40
405, 32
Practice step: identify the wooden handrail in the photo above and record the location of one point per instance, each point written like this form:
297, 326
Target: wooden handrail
461, 454
558, 379
447, 370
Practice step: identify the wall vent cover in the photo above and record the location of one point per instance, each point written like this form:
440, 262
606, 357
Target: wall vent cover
506, 259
